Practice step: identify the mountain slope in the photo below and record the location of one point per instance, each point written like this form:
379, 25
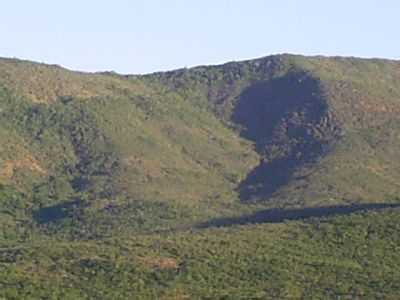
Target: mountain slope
324, 127
185, 146
264, 179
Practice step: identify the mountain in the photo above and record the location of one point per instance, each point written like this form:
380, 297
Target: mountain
92, 159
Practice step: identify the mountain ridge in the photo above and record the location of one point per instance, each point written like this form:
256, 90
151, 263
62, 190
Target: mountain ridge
278, 131
244, 60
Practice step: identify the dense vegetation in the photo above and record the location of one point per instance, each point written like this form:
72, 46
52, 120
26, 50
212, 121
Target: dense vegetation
353, 257
166, 185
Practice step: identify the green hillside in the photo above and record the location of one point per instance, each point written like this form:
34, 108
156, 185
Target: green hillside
323, 126
115, 186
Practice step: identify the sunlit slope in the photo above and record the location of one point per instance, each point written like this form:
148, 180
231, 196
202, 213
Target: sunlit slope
192, 144
270, 178
136, 143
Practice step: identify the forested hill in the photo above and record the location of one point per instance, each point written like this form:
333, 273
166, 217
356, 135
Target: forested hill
93, 156
277, 131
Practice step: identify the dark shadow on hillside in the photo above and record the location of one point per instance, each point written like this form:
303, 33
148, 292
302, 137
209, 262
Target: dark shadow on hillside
285, 118
281, 215
56, 212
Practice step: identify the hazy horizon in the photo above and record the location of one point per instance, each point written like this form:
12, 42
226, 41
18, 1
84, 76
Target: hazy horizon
134, 37
195, 66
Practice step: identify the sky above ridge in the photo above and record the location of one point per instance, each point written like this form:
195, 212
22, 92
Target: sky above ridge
132, 36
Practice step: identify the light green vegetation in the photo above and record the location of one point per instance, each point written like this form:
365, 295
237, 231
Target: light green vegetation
103, 177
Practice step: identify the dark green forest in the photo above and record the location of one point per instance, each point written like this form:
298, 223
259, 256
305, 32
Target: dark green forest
273, 178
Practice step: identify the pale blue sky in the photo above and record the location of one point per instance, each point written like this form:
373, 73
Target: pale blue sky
150, 35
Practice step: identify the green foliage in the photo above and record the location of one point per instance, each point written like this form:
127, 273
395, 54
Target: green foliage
104, 178
349, 256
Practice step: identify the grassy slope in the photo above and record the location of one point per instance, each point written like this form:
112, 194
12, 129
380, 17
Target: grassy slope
164, 129
147, 149
100, 162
